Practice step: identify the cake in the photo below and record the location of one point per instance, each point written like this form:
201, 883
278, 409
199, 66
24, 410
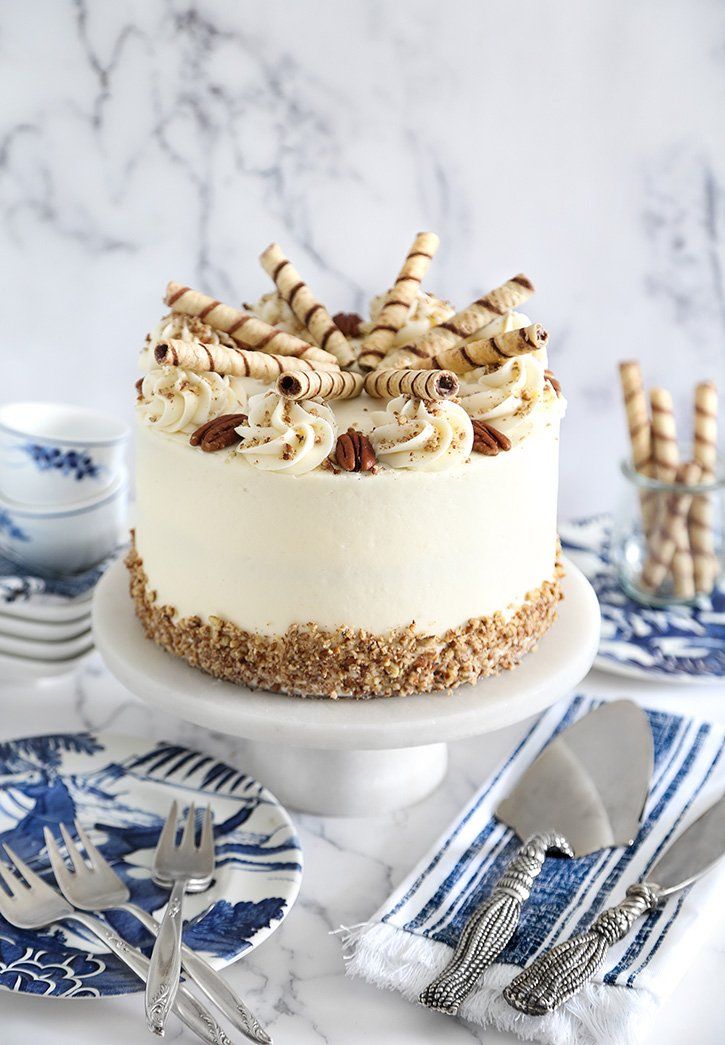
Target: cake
334, 506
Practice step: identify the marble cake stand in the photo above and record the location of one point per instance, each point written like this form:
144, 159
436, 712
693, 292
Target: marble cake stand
348, 757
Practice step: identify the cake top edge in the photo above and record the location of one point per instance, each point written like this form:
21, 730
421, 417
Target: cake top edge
286, 386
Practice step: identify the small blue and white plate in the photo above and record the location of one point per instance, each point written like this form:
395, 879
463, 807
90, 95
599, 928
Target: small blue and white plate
679, 644
120, 788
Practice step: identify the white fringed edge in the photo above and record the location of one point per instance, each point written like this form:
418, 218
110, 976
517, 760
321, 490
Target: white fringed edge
397, 960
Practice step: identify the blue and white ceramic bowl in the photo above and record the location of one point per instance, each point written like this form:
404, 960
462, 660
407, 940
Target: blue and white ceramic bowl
120, 789
64, 539
52, 454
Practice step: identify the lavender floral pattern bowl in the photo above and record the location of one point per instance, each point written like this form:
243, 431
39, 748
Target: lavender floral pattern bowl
678, 644
51, 454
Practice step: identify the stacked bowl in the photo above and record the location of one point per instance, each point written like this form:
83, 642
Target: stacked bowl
63, 503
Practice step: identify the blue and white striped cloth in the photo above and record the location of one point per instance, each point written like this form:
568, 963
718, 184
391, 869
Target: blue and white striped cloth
410, 938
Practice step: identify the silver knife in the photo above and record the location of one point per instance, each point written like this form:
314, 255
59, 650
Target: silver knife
585, 792
562, 971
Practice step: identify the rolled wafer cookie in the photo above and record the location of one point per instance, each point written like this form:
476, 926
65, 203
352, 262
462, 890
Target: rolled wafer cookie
244, 328
428, 384
640, 434
338, 385
236, 362
309, 310
665, 455
665, 465
700, 520
663, 544
398, 300
635, 405
478, 314
488, 351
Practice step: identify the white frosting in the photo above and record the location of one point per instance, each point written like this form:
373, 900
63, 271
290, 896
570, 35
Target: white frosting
176, 400
422, 436
513, 388
354, 550
515, 396
426, 311
284, 436
181, 328
273, 309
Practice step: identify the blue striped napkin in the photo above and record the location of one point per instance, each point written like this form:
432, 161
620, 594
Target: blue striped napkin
410, 939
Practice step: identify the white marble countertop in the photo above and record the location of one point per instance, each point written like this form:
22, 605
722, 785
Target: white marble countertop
295, 981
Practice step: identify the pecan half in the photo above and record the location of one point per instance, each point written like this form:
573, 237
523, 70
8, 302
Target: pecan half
488, 440
553, 382
354, 452
218, 433
348, 323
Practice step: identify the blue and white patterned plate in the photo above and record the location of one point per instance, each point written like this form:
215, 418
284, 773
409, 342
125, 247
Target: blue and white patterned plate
120, 788
680, 644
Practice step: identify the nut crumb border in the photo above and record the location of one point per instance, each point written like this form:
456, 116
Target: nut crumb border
308, 661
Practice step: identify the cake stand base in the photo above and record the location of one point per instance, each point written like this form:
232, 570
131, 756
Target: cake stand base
365, 782
348, 757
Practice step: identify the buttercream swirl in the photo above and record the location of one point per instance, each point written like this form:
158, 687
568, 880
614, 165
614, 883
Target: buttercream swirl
426, 311
422, 436
176, 400
514, 388
181, 328
286, 436
273, 309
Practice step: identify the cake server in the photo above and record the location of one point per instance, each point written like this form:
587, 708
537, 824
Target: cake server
585, 791
564, 970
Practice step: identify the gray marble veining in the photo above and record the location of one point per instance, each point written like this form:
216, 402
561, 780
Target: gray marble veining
167, 139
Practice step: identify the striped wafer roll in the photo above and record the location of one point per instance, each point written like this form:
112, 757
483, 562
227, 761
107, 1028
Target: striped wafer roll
248, 330
640, 434
488, 351
663, 543
429, 384
665, 455
635, 405
665, 464
236, 362
683, 574
480, 313
311, 313
700, 521
398, 300
338, 385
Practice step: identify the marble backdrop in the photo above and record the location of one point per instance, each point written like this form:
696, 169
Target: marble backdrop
581, 143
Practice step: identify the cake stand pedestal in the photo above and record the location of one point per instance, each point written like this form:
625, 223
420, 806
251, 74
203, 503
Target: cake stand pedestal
348, 757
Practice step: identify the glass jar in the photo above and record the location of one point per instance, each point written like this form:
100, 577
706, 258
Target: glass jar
667, 538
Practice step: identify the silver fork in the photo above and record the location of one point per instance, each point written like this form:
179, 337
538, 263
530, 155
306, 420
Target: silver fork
98, 888
184, 868
30, 903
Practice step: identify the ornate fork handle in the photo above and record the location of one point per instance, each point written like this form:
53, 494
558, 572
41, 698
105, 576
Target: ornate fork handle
163, 979
196, 1017
562, 971
216, 989
491, 925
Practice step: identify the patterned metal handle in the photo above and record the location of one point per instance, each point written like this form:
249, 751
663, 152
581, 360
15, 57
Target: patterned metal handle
491, 925
214, 986
163, 981
564, 970
196, 1017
